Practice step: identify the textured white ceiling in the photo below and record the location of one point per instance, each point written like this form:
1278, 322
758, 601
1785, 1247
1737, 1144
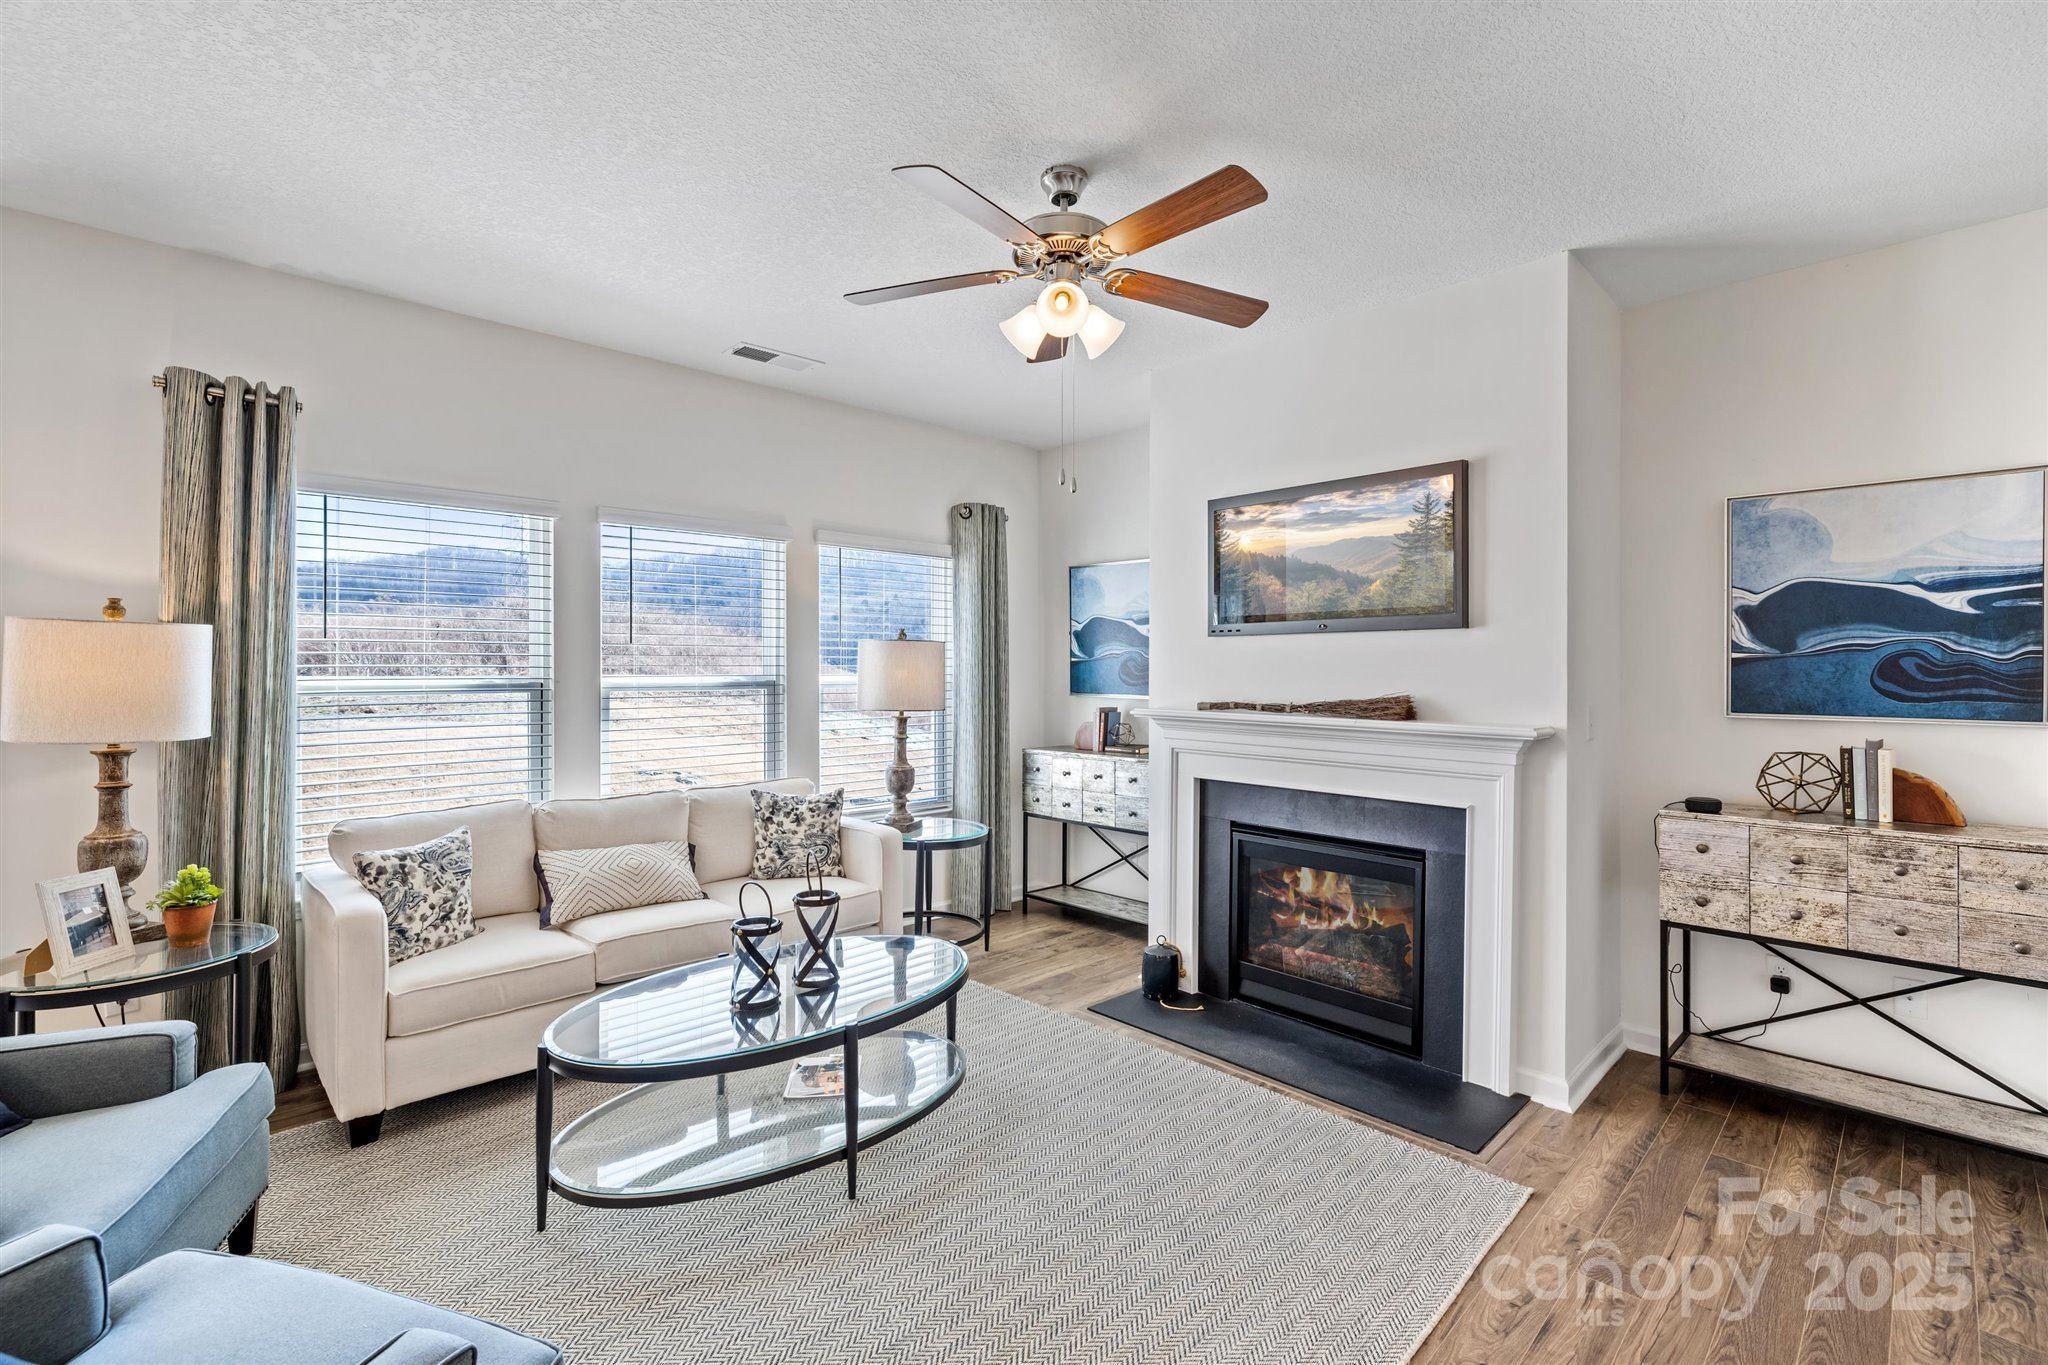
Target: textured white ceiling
669, 179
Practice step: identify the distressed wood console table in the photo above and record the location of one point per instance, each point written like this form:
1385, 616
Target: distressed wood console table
1971, 903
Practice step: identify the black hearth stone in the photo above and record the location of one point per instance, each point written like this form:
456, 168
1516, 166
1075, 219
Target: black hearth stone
1371, 1080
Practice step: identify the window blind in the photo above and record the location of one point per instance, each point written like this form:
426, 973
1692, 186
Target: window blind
870, 594
692, 656
424, 658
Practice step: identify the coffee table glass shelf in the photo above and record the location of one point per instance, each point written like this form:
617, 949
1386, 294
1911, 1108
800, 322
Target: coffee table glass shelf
706, 1114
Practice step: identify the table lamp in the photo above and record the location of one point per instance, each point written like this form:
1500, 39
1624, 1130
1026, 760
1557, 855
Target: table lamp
902, 675
80, 682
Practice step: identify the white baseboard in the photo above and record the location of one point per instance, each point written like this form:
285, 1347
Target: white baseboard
1569, 1092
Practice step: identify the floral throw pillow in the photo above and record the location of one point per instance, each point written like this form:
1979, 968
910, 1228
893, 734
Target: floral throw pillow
425, 891
796, 835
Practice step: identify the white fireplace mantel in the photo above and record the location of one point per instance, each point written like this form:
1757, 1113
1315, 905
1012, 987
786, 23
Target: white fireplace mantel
1472, 768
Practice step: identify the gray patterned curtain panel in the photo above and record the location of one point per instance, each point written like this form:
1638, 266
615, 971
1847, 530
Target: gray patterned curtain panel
981, 697
225, 802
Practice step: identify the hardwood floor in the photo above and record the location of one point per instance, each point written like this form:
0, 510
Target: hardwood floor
1672, 1228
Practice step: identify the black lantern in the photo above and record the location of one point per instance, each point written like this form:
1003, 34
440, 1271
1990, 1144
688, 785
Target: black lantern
755, 950
817, 913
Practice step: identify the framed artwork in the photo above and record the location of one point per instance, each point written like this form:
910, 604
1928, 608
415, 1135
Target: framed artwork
86, 921
1109, 629
1379, 552
1913, 600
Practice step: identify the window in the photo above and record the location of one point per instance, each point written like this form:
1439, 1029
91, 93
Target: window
870, 594
424, 643
691, 657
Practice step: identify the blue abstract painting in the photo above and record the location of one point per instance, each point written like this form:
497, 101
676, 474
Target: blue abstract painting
1917, 599
1109, 629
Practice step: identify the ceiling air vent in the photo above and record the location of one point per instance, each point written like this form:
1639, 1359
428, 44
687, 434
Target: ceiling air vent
781, 359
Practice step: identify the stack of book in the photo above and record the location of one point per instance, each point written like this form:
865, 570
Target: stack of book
1867, 782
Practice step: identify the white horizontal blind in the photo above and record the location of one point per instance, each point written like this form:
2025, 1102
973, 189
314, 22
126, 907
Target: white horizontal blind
425, 654
692, 657
868, 594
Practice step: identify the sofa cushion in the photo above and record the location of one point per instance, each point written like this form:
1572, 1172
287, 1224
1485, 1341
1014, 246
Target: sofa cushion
653, 938
610, 821
860, 905
130, 1172
722, 825
510, 964
501, 848
796, 836
242, 1310
590, 881
424, 891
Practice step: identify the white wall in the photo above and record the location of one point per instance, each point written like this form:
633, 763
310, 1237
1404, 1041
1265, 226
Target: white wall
1107, 518
1478, 372
394, 391
1926, 358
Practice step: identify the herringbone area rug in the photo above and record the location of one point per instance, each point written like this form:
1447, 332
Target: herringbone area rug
1083, 1199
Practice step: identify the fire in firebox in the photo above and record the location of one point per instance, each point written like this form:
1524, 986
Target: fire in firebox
1342, 929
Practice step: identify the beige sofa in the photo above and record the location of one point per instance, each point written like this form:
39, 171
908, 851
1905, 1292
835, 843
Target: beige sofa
474, 1011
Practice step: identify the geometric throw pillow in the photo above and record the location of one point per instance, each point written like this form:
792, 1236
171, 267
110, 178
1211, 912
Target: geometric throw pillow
797, 835
425, 891
590, 881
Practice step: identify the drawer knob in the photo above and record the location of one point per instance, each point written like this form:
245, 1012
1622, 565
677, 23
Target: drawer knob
1699, 848
1901, 870
1799, 860
2023, 885
1900, 930
1796, 914
2022, 949
1703, 901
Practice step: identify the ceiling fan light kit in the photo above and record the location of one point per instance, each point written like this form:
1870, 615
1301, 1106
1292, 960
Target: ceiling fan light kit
1064, 248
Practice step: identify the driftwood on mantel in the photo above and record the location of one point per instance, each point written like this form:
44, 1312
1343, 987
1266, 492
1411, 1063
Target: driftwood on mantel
1399, 706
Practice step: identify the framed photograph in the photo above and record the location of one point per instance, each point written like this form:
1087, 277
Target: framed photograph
1378, 552
1109, 629
1918, 599
86, 920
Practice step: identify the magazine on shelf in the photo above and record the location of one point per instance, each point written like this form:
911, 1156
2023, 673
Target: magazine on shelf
816, 1078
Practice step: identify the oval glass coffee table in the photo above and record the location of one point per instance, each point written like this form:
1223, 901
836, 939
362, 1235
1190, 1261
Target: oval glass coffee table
706, 1114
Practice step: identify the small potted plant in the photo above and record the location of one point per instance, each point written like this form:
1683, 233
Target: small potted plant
187, 903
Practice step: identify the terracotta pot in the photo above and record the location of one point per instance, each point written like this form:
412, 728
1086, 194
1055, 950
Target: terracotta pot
187, 926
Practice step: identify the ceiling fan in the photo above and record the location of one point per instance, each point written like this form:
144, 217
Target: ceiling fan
1064, 248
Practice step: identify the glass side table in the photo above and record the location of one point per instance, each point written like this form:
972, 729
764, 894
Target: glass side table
235, 949
944, 833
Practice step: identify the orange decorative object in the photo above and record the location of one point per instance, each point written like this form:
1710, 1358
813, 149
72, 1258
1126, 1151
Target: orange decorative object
1918, 800
187, 926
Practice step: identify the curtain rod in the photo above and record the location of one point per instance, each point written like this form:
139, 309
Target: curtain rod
216, 392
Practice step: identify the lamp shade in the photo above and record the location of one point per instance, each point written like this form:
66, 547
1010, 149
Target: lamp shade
902, 675
103, 682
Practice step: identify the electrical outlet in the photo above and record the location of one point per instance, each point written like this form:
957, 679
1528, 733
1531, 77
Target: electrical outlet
1908, 1006
1781, 983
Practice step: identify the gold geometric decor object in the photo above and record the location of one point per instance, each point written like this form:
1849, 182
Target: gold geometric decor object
1799, 782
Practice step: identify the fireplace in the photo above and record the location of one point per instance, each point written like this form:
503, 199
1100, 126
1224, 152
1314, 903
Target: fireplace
1330, 930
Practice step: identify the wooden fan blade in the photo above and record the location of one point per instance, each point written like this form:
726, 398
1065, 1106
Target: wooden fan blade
1052, 348
1217, 305
967, 201
1212, 197
938, 286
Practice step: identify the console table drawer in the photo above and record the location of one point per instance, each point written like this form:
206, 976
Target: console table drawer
1133, 776
1716, 903
1703, 848
1064, 802
1799, 857
2003, 879
2010, 945
1902, 869
1038, 798
1098, 775
1895, 928
1799, 912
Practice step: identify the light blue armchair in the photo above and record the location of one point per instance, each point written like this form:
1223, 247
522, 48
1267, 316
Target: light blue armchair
57, 1308
128, 1143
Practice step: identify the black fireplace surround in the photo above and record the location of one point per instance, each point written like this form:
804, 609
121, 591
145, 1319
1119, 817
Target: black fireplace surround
1345, 911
